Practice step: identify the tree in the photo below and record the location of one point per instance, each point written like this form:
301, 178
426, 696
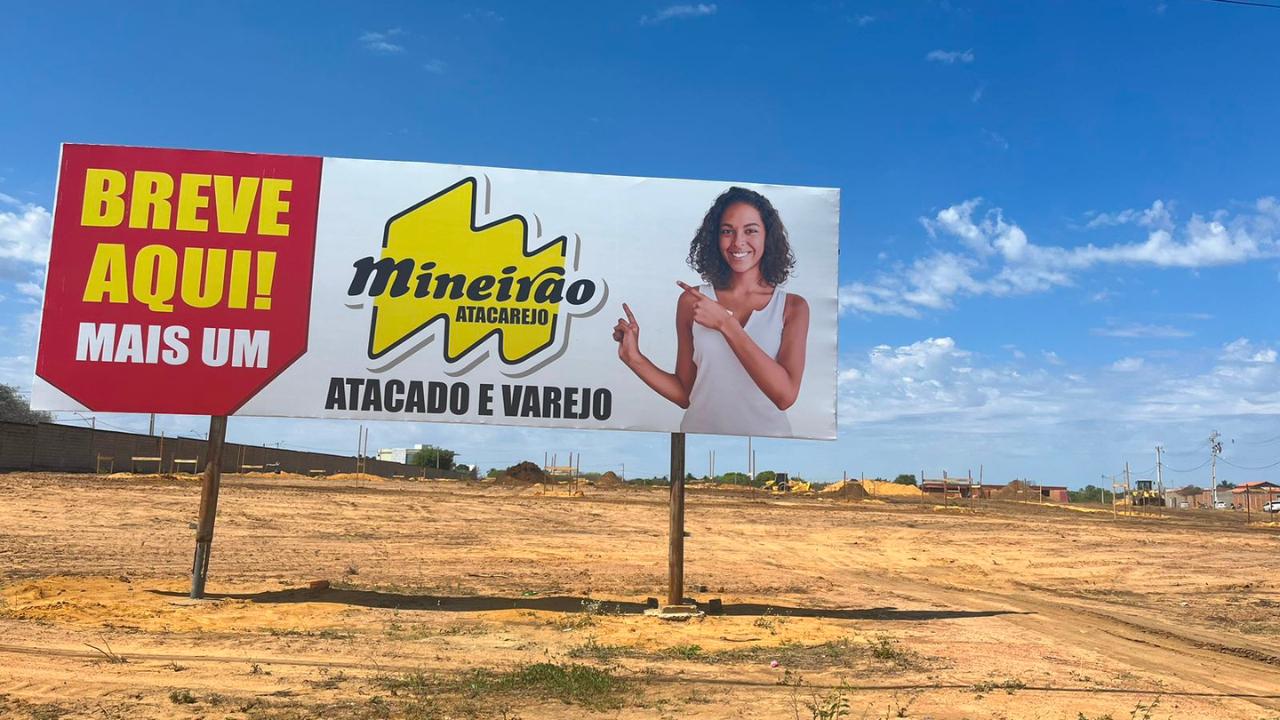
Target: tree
905, 479
15, 408
1088, 494
1226, 485
765, 476
433, 457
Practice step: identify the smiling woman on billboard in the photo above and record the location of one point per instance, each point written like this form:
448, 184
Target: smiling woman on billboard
740, 337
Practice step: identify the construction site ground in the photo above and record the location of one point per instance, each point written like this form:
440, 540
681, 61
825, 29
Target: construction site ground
460, 600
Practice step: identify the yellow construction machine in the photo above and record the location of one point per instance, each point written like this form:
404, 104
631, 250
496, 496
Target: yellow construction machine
782, 484
1145, 496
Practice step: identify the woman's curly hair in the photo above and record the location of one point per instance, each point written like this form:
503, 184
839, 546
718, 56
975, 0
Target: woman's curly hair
704, 252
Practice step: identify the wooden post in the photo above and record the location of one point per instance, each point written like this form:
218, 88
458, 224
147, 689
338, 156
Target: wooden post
208, 504
675, 553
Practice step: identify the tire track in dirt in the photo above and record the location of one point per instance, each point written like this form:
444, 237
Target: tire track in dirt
1141, 643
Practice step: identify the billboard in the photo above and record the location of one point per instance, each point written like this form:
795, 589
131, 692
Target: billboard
215, 283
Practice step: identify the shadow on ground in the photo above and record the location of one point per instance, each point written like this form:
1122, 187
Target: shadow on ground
566, 604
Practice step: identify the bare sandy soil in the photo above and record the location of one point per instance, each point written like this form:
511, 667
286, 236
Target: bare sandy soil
453, 600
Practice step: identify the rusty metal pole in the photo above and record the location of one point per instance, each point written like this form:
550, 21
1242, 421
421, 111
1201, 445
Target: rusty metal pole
208, 504
675, 553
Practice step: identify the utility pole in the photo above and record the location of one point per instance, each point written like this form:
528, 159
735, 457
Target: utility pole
152, 429
1160, 474
751, 465
1128, 494
1215, 448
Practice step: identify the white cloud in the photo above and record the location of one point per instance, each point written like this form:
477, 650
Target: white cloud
1129, 364
1139, 330
935, 380
864, 20
24, 234
1243, 382
1051, 357
20, 336
1158, 216
30, 290
932, 402
672, 12
950, 57
997, 258
435, 67
381, 42
1244, 351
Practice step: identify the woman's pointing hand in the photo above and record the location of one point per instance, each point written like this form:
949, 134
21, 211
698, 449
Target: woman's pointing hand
627, 334
707, 312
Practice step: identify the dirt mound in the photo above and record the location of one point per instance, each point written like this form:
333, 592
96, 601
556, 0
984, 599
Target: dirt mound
522, 473
609, 479
880, 488
1016, 490
848, 489
346, 477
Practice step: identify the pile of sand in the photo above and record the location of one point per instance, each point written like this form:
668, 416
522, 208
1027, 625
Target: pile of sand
881, 488
1016, 490
346, 477
609, 479
848, 489
522, 473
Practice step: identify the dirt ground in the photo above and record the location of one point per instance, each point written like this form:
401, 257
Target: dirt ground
453, 600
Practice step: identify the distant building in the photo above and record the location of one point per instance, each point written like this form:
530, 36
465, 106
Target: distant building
1255, 494
1252, 495
399, 455
1013, 491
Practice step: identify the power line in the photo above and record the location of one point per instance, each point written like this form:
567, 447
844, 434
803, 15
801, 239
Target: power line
1242, 467
1174, 469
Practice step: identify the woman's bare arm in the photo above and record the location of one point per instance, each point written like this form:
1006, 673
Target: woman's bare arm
672, 386
779, 379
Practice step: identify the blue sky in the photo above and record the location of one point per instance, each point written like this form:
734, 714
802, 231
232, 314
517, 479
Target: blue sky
1060, 239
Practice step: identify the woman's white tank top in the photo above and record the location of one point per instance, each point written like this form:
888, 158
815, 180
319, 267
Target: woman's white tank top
725, 400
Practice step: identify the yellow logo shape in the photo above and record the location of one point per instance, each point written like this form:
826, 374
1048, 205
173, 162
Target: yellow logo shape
438, 266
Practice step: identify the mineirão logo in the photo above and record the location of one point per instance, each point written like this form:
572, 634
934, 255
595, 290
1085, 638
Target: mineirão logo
472, 282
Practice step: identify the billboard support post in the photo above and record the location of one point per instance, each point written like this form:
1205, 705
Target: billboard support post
208, 504
675, 555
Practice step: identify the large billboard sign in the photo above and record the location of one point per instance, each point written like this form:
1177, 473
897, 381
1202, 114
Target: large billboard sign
214, 283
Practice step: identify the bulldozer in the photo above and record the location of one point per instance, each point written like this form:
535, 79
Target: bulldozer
781, 484
1144, 495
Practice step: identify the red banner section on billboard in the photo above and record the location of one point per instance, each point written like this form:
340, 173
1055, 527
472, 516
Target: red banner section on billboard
179, 281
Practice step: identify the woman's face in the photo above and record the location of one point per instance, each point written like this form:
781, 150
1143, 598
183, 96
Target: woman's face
741, 237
